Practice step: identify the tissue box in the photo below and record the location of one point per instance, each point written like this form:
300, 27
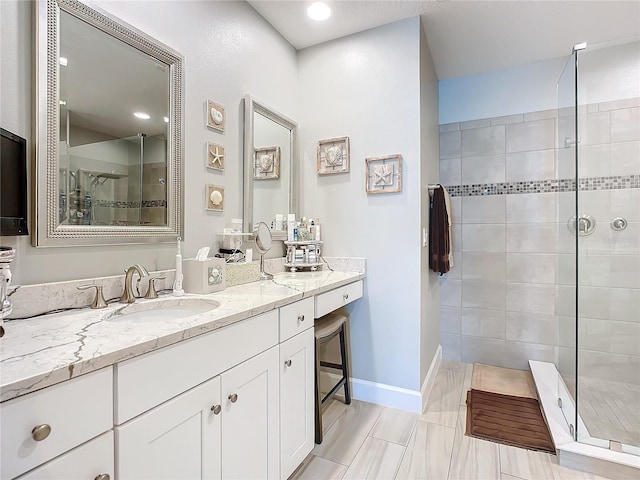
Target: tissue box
203, 277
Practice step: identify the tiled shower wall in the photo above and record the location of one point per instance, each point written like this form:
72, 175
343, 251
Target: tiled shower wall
510, 296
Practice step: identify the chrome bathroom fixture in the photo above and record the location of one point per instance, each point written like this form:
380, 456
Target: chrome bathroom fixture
586, 225
128, 295
7, 254
618, 224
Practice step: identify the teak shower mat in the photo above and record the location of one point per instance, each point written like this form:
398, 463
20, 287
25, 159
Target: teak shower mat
507, 419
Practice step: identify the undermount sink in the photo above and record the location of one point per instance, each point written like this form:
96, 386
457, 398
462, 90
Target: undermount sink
163, 310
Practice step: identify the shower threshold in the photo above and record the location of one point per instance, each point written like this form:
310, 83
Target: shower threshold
571, 454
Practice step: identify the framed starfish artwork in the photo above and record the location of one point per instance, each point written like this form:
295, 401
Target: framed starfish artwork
384, 174
215, 156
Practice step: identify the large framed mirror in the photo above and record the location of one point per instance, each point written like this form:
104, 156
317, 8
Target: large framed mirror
109, 124
271, 169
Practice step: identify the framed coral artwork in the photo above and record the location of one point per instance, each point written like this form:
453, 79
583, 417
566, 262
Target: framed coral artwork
266, 163
333, 156
384, 174
215, 116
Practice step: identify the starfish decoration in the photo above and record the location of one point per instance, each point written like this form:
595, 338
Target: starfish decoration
216, 156
383, 175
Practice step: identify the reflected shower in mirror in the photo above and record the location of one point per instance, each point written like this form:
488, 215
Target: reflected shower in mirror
271, 165
110, 114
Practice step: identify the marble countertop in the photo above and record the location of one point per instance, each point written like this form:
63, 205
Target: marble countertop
42, 351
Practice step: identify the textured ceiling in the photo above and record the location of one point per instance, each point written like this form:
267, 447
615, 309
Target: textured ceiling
467, 37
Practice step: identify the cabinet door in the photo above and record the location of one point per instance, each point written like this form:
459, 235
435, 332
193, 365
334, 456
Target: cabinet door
296, 401
179, 439
93, 460
250, 419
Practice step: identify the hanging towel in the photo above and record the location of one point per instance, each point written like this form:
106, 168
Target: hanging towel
439, 237
447, 201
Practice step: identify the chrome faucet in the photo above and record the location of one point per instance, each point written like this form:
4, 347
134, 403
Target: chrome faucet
127, 295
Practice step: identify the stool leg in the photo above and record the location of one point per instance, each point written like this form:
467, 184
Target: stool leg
318, 401
345, 367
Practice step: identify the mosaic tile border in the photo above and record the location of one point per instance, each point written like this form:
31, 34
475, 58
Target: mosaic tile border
616, 182
117, 204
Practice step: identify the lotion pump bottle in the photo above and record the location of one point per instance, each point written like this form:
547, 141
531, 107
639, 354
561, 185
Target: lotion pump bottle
291, 226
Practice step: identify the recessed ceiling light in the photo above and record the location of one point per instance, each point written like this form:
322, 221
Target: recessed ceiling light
142, 115
318, 11
166, 119
63, 61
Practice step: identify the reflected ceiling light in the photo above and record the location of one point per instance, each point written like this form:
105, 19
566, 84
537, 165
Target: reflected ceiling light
142, 115
318, 11
63, 102
166, 119
63, 61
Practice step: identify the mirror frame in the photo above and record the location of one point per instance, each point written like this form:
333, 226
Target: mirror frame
251, 106
47, 231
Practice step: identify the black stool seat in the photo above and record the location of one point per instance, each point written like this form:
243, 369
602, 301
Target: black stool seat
326, 328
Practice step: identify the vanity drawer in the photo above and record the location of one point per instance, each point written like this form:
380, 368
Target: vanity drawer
329, 301
151, 379
296, 318
75, 411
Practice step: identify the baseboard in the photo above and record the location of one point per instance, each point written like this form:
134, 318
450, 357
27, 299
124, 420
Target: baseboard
389, 395
430, 378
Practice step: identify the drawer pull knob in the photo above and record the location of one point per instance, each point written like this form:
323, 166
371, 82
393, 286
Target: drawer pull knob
301, 318
216, 409
103, 476
345, 296
233, 397
288, 363
40, 432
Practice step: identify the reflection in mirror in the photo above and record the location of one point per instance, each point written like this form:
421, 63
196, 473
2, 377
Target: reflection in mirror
271, 165
110, 115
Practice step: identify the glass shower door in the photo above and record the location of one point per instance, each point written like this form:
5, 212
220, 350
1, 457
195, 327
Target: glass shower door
566, 174
608, 257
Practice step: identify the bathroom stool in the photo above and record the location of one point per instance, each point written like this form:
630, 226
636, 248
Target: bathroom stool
325, 328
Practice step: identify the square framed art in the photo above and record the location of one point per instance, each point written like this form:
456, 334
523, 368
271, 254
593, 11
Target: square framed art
266, 163
214, 200
333, 156
215, 116
215, 156
384, 174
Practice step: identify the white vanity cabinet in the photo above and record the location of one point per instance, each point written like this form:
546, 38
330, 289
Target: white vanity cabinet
37, 428
178, 439
250, 419
90, 461
297, 384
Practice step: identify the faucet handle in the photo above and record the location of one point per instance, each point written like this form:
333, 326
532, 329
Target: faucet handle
98, 301
151, 290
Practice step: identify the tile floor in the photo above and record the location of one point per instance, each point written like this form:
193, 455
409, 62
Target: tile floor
366, 441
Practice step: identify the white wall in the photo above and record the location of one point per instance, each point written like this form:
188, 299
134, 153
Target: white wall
367, 86
527, 88
429, 173
229, 51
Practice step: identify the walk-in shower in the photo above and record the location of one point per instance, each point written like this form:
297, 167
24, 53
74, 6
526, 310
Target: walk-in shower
598, 158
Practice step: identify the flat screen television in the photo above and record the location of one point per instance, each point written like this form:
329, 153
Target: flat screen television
13, 184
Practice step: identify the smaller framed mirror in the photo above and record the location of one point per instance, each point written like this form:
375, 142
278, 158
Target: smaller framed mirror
271, 183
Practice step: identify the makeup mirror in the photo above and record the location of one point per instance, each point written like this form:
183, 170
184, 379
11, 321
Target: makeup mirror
263, 245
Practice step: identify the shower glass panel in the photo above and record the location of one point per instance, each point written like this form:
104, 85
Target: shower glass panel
608, 257
567, 242
114, 182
